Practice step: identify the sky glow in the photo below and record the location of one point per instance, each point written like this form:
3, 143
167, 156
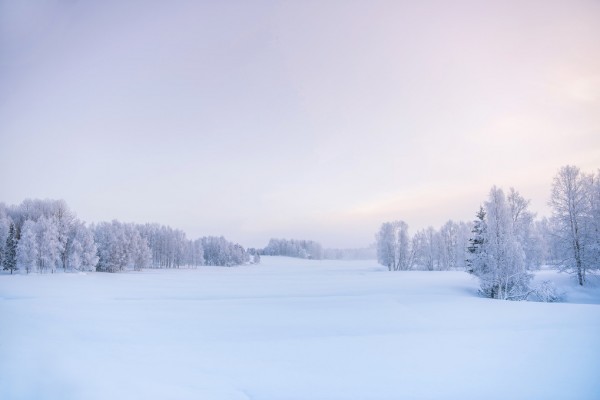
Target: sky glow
315, 120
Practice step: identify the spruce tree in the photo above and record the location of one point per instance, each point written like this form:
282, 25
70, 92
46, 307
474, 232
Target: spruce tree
476, 242
10, 250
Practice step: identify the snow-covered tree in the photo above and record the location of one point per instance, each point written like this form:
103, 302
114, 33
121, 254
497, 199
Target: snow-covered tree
82, 250
462, 244
4, 230
111, 240
394, 248
169, 247
10, 250
594, 218
449, 245
546, 242
426, 245
27, 248
140, 254
477, 258
219, 251
49, 244
195, 253
65, 219
500, 260
572, 225
523, 225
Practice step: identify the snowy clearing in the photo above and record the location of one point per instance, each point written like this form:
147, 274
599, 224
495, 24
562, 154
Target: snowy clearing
291, 329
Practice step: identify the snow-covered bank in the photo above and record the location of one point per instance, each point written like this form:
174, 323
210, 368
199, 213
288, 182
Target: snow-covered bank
290, 329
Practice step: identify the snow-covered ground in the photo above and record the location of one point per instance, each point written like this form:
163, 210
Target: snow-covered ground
291, 329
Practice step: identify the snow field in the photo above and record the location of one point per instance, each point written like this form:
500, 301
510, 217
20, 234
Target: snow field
291, 329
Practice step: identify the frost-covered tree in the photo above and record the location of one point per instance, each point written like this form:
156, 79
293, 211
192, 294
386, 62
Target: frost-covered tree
386, 245
195, 254
27, 248
394, 248
169, 247
523, 225
462, 244
219, 251
10, 250
572, 221
140, 254
82, 250
65, 220
594, 221
426, 247
545, 242
501, 266
49, 244
476, 257
449, 245
111, 240
4, 230
120, 247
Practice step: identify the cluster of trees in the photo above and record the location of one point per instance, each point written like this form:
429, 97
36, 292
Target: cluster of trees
429, 249
120, 247
294, 248
218, 251
43, 235
498, 253
505, 242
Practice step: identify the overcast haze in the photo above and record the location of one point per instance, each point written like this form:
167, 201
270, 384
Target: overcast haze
315, 120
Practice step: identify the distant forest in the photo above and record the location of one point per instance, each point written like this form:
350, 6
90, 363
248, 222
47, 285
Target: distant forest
39, 236
43, 235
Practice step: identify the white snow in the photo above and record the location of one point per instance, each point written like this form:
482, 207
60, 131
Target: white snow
291, 329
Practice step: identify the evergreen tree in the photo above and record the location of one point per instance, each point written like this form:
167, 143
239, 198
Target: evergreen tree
475, 260
10, 250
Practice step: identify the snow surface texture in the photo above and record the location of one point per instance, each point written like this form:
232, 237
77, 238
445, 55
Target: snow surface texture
291, 329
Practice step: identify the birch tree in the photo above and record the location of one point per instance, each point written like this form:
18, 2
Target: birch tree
571, 224
49, 244
394, 248
27, 248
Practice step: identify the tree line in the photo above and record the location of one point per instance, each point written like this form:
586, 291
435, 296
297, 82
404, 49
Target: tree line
506, 242
308, 249
45, 235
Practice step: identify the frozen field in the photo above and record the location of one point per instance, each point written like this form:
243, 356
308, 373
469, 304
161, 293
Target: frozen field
291, 329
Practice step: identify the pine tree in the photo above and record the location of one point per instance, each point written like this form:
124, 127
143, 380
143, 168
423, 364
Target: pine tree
10, 250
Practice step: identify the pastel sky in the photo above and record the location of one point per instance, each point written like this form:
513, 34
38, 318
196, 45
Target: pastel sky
304, 119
